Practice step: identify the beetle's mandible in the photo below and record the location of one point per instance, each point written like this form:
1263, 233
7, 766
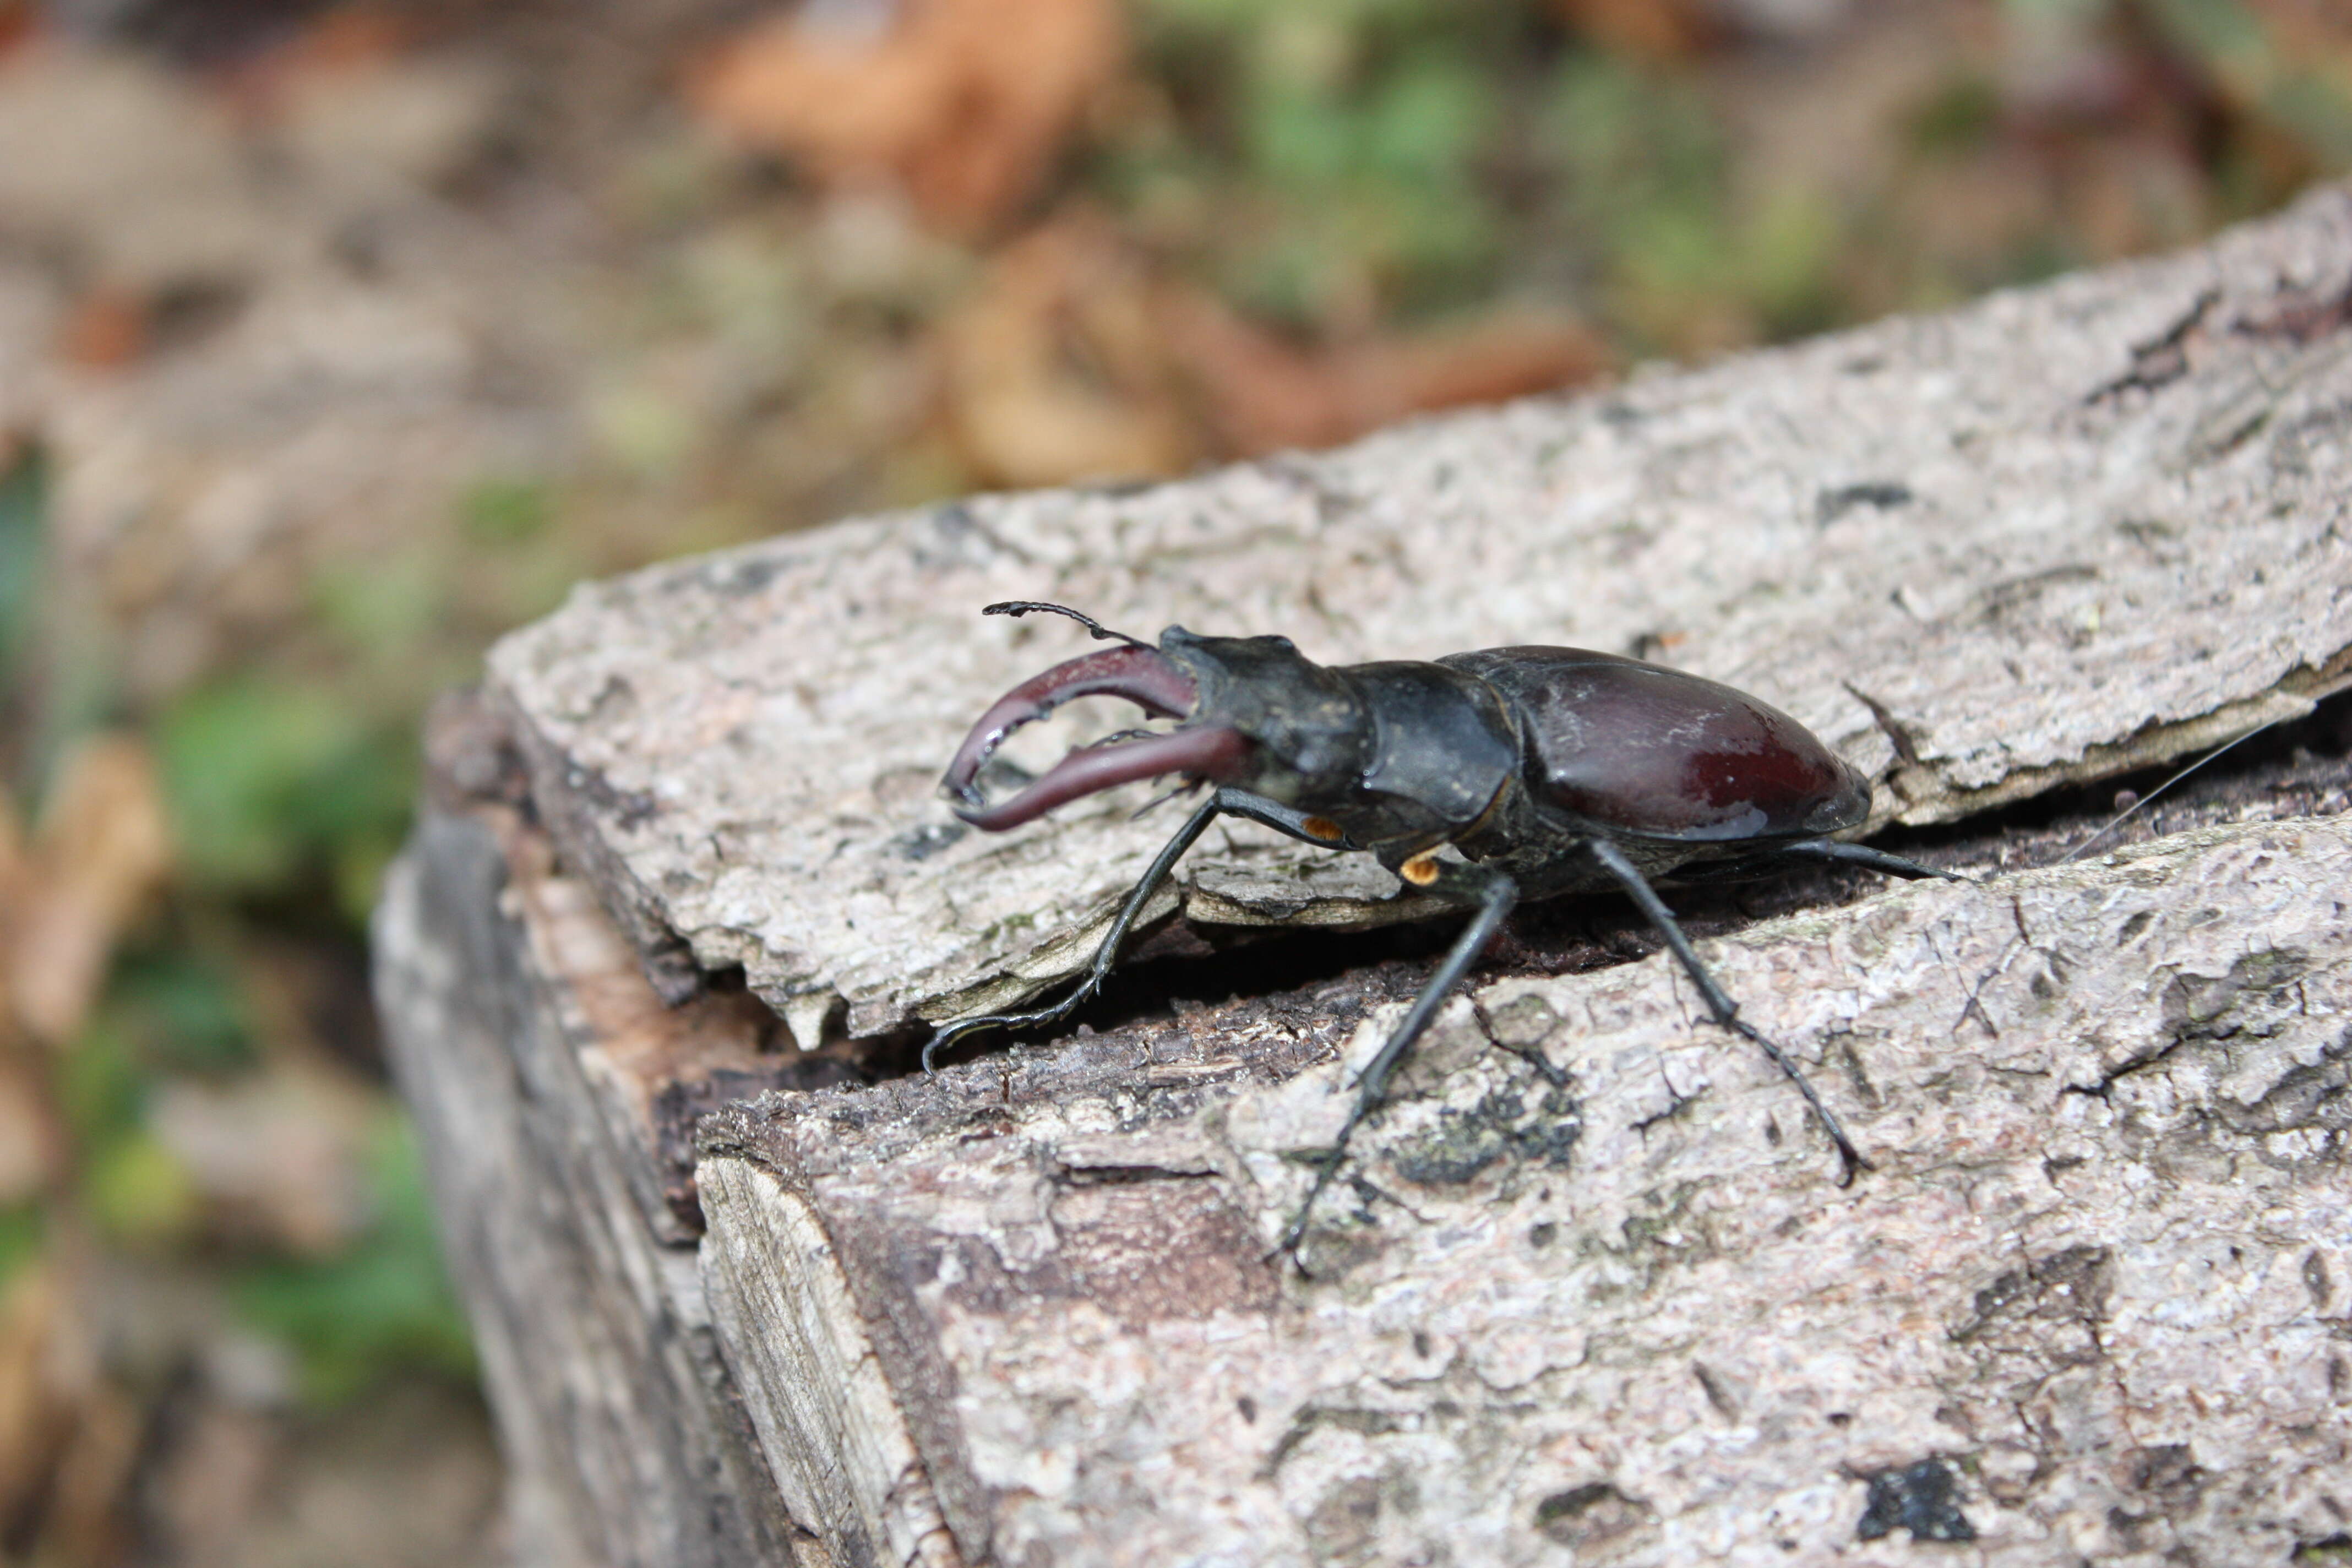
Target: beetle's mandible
1543, 770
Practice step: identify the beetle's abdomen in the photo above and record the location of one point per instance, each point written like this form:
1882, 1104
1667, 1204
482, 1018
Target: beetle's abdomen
1655, 753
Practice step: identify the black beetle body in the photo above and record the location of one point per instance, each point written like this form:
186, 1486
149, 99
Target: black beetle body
1546, 770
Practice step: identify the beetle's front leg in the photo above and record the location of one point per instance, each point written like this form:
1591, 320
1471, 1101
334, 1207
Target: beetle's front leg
1307, 828
1720, 1004
1493, 893
1105, 955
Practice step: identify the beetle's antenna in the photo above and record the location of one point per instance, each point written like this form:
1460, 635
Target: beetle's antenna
1019, 607
2128, 812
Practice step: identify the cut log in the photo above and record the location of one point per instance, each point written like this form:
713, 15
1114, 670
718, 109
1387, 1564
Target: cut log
526, 1039
1587, 1290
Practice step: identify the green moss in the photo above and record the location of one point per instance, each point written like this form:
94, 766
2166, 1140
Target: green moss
1959, 117
24, 503
23, 1230
267, 775
383, 1306
139, 1194
180, 1008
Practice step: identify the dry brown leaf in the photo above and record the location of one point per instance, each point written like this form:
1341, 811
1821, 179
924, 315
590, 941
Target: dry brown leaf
1644, 29
28, 1414
2311, 31
276, 1157
140, 177
206, 1489
350, 94
86, 1521
68, 1443
106, 328
345, 38
963, 103
13, 864
32, 1145
1082, 360
18, 21
1059, 370
101, 850
48, 1370
16, 883
1261, 394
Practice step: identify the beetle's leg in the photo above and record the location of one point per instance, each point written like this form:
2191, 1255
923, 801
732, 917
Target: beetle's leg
1726, 1012
1864, 855
1493, 894
1105, 955
1737, 869
1777, 862
1307, 828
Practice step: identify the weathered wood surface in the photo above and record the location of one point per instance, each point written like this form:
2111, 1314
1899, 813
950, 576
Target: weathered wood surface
2059, 530
2098, 1285
1591, 1297
526, 1040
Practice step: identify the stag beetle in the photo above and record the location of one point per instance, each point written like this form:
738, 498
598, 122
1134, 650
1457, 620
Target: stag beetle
1546, 770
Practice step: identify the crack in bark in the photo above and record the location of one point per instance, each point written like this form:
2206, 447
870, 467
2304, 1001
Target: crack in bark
2161, 360
2305, 316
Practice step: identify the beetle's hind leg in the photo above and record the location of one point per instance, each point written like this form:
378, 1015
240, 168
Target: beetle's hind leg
1838, 851
1784, 858
1725, 1011
1493, 894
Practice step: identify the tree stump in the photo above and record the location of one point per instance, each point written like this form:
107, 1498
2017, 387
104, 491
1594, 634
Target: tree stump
749, 1291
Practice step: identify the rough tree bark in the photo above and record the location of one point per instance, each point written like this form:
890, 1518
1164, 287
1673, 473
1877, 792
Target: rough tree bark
1588, 1291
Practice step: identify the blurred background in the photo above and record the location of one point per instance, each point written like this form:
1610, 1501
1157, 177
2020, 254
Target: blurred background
335, 339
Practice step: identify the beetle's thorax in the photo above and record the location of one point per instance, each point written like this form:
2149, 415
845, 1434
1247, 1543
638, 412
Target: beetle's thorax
1444, 748
1399, 750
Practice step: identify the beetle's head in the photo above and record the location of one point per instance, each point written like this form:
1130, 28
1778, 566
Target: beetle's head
1255, 714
